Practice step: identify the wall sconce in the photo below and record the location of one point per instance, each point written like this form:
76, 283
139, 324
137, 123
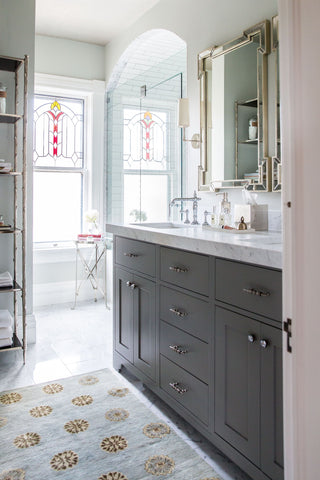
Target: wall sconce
184, 122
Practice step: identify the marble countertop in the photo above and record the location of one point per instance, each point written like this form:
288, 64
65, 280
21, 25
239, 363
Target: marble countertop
260, 248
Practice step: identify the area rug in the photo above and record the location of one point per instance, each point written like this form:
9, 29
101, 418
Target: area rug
90, 427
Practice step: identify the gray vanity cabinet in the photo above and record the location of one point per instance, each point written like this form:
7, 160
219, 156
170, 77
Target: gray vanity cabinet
144, 326
271, 403
135, 322
123, 308
237, 382
248, 364
135, 304
204, 334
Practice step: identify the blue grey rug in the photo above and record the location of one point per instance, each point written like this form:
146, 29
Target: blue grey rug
90, 427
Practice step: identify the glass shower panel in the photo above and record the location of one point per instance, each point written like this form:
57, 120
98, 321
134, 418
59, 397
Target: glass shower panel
160, 144
144, 150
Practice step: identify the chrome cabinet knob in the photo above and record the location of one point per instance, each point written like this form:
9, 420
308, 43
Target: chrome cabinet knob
251, 338
131, 285
263, 343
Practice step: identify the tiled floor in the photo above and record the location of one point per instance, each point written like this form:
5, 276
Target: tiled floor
71, 342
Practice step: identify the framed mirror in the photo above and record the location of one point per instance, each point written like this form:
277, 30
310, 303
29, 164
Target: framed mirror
233, 112
276, 159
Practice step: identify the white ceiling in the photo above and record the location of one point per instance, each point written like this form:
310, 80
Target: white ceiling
91, 21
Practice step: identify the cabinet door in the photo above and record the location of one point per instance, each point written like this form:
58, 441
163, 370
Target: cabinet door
271, 403
145, 326
237, 382
123, 314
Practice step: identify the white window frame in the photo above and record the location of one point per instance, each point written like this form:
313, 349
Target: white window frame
92, 93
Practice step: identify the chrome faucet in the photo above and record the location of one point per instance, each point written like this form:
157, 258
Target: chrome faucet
194, 201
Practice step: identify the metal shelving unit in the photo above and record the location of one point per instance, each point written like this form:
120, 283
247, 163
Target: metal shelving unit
19, 68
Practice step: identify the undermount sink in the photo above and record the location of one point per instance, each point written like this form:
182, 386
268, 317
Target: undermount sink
163, 225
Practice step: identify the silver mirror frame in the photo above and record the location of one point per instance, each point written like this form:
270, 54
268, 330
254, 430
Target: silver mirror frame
264, 162
276, 159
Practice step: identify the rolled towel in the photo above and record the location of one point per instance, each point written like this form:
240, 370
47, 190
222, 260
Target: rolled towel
6, 280
6, 319
5, 332
5, 342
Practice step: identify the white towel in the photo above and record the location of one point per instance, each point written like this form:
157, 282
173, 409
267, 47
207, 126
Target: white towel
5, 332
5, 342
6, 319
6, 280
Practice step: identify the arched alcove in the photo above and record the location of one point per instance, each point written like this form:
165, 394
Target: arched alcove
143, 142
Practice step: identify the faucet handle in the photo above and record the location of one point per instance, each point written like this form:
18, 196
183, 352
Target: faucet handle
186, 211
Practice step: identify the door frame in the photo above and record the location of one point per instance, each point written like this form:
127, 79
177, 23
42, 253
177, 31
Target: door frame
300, 124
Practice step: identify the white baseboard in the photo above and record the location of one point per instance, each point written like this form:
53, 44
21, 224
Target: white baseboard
62, 292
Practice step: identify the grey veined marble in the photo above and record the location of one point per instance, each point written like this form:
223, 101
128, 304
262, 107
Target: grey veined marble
260, 248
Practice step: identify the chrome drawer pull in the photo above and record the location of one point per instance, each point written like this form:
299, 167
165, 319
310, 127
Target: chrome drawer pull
178, 269
130, 255
258, 293
131, 285
178, 349
263, 343
175, 386
251, 338
178, 312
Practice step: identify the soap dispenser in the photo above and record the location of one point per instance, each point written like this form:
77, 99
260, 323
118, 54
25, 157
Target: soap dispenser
224, 215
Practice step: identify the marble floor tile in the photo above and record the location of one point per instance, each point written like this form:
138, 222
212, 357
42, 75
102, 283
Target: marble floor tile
88, 366
49, 370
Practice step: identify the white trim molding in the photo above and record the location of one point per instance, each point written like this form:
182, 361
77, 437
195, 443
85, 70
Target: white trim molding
300, 126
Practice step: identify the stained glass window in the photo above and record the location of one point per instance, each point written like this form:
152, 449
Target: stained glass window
147, 170
145, 139
58, 132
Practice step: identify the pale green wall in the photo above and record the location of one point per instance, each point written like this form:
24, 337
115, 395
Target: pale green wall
59, 56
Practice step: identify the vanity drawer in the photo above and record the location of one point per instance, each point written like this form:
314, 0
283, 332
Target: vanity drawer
185, 389
185, 312
185, 269
139, 256
185, 350
256, 289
